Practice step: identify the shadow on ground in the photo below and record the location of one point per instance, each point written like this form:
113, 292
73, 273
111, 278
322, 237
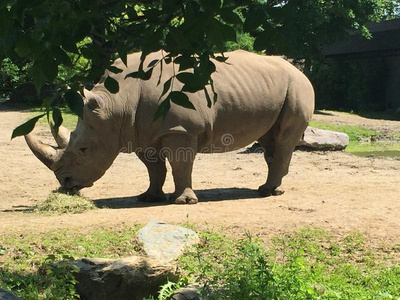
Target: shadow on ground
210, 195
20, 208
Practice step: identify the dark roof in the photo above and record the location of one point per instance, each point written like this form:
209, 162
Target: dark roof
385, 41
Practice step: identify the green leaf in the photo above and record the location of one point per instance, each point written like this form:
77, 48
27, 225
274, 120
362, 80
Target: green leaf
185, 62
40, 11
23, 46
111, 85
38, 76
181, 99
167, 85
209, 103
206, 67
215, 97
229, 16
192, 82
187, 78
50, 68
221, 58
151, 42
215, 35
253, 20
46, 103
141, 74
57, 118
69, 44
162, 109
179, 38
123, 54
61, 56
210, 5
153, 63
114, 69
228, 32
136, 74
220, 33
27, 127
170, 5
83, 30
75, 102
262, 41
5, 22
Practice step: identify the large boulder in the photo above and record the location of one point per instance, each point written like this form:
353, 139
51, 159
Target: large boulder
319, 139
139, 276
165, 242
6, 295
131, 278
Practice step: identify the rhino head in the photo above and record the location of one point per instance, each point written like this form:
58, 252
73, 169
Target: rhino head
84, 155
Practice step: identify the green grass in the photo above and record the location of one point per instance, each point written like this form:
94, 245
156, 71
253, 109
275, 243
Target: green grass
60, 203
69, 119
308, 264
26, 258
362, 139
355, 133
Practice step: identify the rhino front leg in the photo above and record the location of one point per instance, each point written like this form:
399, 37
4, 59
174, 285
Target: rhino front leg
180, 149
157, 172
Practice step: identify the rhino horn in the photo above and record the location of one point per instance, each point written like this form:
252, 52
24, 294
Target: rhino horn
62, 138
46, 154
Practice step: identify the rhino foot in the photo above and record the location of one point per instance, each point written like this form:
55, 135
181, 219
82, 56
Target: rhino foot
187, 197
149, 198
263, 191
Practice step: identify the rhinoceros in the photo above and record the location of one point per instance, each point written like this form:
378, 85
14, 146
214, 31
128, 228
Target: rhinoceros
260, 98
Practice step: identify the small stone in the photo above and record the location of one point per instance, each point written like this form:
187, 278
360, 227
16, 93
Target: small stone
192, 292
165, 242
6, 295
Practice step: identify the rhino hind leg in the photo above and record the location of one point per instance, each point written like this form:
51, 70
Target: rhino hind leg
157, 172
180, 149
279, 144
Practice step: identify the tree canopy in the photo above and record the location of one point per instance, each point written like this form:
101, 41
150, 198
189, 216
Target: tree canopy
55, 35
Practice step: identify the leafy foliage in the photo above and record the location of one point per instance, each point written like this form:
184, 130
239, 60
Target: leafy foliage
86, 36
308, 264
353, 85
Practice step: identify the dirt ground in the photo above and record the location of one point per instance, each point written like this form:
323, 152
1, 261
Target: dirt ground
335, 191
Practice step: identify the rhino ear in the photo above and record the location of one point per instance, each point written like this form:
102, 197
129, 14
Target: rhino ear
91, 100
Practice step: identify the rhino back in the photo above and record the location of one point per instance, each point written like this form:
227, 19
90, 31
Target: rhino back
251, 92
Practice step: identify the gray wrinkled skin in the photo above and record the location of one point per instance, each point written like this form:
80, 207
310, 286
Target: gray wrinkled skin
259, 98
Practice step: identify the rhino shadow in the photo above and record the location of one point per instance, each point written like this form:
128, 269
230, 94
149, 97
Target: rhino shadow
205, 195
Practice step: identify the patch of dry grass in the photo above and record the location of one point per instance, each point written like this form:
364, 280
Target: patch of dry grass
58, 203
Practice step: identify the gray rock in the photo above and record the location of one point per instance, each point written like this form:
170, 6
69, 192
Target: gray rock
129, 278
6, 295
320, 139
165, 242
189, 293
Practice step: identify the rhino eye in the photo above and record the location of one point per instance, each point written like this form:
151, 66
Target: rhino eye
83, 150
